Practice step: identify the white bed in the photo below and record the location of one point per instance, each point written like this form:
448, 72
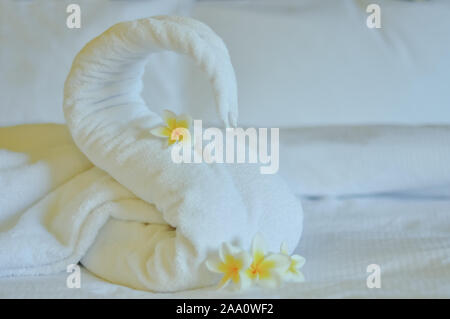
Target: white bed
407, 237
371, 195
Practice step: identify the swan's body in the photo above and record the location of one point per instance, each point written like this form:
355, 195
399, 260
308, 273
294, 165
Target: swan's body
204, 205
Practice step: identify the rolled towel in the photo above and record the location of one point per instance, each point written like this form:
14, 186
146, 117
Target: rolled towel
197, 206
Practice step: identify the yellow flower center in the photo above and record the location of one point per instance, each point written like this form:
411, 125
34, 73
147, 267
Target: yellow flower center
261, 268
230, 268
293, 267
177, 134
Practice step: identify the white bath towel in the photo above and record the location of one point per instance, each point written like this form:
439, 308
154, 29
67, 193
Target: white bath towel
134, 217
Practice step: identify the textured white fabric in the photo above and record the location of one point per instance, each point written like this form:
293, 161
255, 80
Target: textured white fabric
408, 239
53, 211
345, 160
37, 50
166, 217
309, 62
316, 61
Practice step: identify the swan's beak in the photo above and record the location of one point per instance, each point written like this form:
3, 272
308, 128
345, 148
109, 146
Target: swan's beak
232, 119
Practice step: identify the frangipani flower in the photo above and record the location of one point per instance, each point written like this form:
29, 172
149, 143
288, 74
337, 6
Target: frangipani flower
232, 262
293, 273
266, 270
177, 127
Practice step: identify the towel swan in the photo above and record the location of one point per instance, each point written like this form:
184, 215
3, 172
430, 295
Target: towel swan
136, 218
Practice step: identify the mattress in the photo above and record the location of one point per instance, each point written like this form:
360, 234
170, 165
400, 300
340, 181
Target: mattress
406, 236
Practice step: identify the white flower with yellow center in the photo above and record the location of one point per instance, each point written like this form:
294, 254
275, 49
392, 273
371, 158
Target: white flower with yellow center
232, 263
266, 270
293, 273
176, 127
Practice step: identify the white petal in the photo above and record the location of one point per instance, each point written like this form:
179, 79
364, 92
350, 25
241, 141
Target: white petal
258, 245
185, 117
222, 284
167, 114
222, 252
246, 259
284, 249
245, 281
158, 131
300, 260
299, 277
213, 264
228, 249
282, 262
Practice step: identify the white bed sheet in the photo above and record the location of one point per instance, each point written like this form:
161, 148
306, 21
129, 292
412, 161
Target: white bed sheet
408, 237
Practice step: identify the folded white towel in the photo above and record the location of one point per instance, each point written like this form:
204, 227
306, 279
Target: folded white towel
162, 219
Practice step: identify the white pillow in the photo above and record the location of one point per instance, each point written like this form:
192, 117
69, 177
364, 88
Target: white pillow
315, 62
37, 50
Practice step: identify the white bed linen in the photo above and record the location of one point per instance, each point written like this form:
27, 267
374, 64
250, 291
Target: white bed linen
37, 50
408, 237
309, 62
365, 159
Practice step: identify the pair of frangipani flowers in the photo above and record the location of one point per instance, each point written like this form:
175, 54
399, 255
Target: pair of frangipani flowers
259, 267
239, 267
